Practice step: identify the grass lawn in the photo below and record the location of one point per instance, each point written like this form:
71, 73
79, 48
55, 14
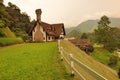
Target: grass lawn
32, 61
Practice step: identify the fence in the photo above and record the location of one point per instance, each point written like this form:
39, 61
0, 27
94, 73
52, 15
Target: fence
71, 60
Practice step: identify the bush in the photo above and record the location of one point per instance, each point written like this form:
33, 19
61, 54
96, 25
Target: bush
6, 32
91, 48
113, 60
119, 73
88, 48
9, 41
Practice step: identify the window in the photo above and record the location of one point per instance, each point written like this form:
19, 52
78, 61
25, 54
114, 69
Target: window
52, 37
49, 38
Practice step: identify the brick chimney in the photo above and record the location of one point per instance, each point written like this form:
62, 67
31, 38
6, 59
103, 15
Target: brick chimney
38, 15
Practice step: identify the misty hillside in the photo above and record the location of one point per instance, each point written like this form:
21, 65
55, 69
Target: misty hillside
90, 25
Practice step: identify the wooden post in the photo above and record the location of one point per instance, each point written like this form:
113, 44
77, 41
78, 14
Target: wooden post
72, 66
59, 45
61, 55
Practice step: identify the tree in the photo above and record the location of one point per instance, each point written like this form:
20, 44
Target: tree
4, 21
101, 33
3, 15
104, 34
84, 36
115, 34
119, 73
20, 22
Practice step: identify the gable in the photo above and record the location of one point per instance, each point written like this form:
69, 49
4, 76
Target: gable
53, 29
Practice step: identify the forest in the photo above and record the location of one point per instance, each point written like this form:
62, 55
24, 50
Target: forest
12, 17
13, 24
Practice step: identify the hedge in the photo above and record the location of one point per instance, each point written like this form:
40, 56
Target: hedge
10, 41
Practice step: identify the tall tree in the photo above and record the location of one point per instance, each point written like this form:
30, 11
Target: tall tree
101, 33
3, 15
104, 34
20, 22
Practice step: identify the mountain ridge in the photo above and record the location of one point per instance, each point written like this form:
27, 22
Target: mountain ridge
90, 25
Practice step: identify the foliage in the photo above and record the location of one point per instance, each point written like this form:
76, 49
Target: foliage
9, 41
4, 21
91, 48
88, 49
116, 35
84, 36
17, 21
104, 22
102, 55
108, 58
113, 60
103, 29
106, 35
119, 73
20, 22
1, 24
6, 32
32, 61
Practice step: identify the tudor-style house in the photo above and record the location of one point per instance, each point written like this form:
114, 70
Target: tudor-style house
42, 31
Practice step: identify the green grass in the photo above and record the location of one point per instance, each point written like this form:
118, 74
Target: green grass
9, 41
102, 55
32, 61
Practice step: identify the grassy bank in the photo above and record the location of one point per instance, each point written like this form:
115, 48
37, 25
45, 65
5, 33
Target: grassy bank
10, 41
32, 61
89, 61
102, 55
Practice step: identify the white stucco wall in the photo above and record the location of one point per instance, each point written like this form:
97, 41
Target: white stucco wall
41, 29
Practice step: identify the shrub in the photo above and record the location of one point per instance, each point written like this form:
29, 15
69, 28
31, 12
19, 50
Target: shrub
113, 60
6, 32
119, 73
91, 48
88, 48
9, 41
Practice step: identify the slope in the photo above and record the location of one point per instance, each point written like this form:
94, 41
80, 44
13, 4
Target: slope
89, 61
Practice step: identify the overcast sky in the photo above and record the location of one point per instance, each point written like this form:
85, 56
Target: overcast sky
69, 12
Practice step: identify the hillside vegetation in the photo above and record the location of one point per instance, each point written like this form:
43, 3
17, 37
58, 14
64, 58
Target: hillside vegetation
6, 32
103, 56
7, 37
10, 41
11, 18
89, 61
33, 61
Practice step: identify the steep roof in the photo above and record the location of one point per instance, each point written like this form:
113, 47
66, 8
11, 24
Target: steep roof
50, 29
80, 42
